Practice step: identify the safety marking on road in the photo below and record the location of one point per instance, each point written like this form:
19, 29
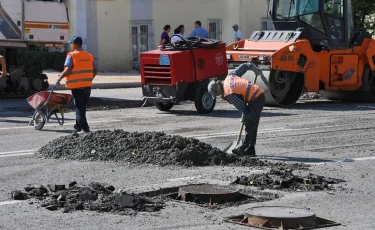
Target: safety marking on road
273, 130
69, 123
16, 154
10, 202
184, 178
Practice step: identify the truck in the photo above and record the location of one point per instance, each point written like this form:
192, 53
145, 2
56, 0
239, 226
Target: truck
29, 24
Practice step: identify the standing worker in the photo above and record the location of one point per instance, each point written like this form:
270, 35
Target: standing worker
238, 33
199, 31
248, 98
80, 70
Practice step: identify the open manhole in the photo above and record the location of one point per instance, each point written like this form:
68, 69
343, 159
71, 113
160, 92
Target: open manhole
279, 217
210, 195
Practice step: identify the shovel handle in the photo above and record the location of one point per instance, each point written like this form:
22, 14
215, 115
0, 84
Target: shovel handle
239, 135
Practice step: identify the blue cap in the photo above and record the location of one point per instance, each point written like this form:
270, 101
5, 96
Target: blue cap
235, 25
76, 40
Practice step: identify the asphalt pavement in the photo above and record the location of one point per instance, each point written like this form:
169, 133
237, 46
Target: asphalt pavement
336, 139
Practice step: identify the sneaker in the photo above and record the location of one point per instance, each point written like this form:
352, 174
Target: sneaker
250, 151
239, 150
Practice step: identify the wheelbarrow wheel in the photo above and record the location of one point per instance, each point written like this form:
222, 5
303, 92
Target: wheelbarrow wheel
39, 120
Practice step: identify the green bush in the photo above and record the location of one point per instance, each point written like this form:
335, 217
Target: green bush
36, 60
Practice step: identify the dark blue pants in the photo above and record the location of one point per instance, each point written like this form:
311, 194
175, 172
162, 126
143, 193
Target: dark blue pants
81, 97
251, 126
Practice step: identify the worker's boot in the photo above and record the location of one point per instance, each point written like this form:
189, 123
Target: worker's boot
240, 150
250, 151
76, 128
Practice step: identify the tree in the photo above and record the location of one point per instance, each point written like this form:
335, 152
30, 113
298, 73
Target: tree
362, 10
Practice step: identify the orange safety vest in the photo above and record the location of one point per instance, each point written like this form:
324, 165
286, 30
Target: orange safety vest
83, 70
237, 85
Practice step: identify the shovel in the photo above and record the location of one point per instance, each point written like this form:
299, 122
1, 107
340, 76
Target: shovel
234, 144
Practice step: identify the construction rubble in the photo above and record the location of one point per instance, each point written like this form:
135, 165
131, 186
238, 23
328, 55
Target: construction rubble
281, 178
93, 197
141, 148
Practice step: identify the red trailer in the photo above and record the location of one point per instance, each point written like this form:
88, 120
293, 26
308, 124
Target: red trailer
182, 71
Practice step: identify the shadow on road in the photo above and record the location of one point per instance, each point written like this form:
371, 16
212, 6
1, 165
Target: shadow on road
297, 159
225, 113
69, 131
332, 106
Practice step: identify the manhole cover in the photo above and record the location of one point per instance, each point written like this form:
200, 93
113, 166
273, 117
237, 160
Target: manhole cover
208, 193
285, 217
278, 217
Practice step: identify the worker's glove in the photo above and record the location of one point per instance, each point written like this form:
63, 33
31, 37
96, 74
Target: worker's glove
257, 71
3, 74
58, 81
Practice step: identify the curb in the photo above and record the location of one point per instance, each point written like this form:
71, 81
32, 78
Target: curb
115, 85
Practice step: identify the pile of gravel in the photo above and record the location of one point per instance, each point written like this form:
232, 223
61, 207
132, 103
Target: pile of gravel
93, 197
284, 179
141, 148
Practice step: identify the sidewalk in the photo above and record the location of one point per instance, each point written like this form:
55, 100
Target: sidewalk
103, 80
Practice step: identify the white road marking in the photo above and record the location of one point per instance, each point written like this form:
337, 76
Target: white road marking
273, 130
69, 123
13, 152
184, 178
10, 202
16, 154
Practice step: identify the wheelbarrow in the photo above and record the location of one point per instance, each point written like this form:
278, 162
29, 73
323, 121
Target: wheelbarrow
47, 104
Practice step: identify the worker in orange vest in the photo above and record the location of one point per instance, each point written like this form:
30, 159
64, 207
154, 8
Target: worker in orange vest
248, 98
80, 70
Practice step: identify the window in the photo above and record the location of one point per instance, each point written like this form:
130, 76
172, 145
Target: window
285, 9
141, 39
264, 25
307, 7
214, 29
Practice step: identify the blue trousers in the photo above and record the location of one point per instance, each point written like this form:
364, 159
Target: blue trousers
81, 97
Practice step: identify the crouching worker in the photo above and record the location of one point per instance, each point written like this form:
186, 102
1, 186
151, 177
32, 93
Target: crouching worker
248, 98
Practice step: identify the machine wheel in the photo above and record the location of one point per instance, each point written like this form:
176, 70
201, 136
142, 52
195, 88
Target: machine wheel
204, 102
163, 106
39, 120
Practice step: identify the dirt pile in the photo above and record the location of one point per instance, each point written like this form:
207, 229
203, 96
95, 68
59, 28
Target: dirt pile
141, 148
94, 197
284, 179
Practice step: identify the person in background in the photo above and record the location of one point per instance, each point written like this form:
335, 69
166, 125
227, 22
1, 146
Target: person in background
80, 71
199, 31
164, 38
238, 34
179, 31
3, 63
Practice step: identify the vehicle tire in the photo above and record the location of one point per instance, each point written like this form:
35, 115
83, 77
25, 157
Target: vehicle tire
39, 120
204, 102
163, 106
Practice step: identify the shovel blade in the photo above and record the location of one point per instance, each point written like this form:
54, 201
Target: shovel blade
232, 146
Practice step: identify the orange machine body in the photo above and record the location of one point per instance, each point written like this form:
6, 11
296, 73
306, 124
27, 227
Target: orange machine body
336, 69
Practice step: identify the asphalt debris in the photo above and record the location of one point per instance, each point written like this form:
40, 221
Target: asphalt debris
142, 148
93, 197
280, 178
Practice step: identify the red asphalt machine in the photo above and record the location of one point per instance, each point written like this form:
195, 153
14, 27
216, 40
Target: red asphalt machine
181, 72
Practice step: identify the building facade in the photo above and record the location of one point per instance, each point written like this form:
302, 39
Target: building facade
116, 31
